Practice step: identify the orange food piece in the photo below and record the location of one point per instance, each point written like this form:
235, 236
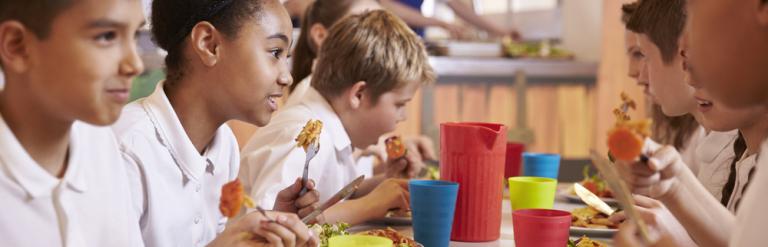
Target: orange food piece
624, 143
232, 198
395, 147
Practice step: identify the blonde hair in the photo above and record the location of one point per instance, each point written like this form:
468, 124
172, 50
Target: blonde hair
376, 47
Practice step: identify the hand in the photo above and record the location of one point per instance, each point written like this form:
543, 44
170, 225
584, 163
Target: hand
456, 31
656, 178
389, 194
256, 230
423, 145
288, 199
656, 215
418, 148
628, 236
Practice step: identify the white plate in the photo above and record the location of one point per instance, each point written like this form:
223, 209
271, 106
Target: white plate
591, 232
575, 199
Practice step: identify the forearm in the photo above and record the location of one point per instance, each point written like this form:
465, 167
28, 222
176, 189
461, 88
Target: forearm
409, 15
467, 14
368, 185
705, 219
352, 212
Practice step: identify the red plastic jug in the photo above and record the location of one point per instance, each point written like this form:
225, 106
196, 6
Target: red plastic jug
473, 155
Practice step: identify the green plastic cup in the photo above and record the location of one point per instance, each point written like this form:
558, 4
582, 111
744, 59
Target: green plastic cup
359, 241
532, 192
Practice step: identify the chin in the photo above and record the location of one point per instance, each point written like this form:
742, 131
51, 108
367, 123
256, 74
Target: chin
103, 118
260, 121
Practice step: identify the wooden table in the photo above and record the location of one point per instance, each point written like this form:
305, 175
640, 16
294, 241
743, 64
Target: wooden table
507, 233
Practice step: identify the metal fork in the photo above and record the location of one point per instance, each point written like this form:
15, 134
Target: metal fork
263, 212
312, 150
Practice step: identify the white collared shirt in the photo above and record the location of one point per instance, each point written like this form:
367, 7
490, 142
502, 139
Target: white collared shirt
743, 168
271, 161
714, 156
751, 216
87, 207
688, 153
176, 189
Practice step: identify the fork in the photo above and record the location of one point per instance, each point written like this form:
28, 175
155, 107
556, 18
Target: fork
263, 212
312, 150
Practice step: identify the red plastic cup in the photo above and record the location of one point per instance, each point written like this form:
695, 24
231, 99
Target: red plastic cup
541, 227
514, 157
472, 155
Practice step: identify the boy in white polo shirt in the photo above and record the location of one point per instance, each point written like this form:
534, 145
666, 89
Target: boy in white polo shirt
68, 66
369, 68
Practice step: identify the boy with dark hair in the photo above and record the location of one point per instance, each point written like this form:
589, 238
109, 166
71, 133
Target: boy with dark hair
68, 67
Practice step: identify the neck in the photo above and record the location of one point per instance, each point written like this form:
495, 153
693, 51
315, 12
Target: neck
196, 114
755, 133
43, 134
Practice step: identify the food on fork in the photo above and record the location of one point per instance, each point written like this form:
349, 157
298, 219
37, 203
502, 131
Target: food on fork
233, 198
395, 147
625, 140
310, 134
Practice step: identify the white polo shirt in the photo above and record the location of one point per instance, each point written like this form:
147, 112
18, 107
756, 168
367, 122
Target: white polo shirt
751, 216
176, 189
714, 156
87, 207
271, 160
744, 167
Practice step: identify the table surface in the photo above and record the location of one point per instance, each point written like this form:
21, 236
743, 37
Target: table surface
507, 234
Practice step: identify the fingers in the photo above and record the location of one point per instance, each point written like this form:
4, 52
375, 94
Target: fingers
291, 192
396, 167
425, 147
627, 236
415, 162
290, 229
618, 217
646, 202
663, 158
308, 199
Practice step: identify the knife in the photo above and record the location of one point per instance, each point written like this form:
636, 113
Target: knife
344, 193
621, 192
592, 200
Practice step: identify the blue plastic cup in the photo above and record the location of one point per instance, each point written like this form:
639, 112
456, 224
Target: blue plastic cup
433, 204
541, 165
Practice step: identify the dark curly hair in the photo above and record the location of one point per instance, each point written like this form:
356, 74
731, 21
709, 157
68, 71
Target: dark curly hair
173, 20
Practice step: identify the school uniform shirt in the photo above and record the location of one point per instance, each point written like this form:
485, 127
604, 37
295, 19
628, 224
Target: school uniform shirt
688, 153
176, 189
744, 167
271, 161
714, 156
87, 207
365, 163
751, 216
299, 91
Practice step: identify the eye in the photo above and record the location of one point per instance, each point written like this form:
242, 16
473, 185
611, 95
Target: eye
637, 55
106, 38
277, 52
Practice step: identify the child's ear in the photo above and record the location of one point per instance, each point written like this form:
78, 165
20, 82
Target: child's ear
318, 33
762, 14
357, 94
14, 41
206, 41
